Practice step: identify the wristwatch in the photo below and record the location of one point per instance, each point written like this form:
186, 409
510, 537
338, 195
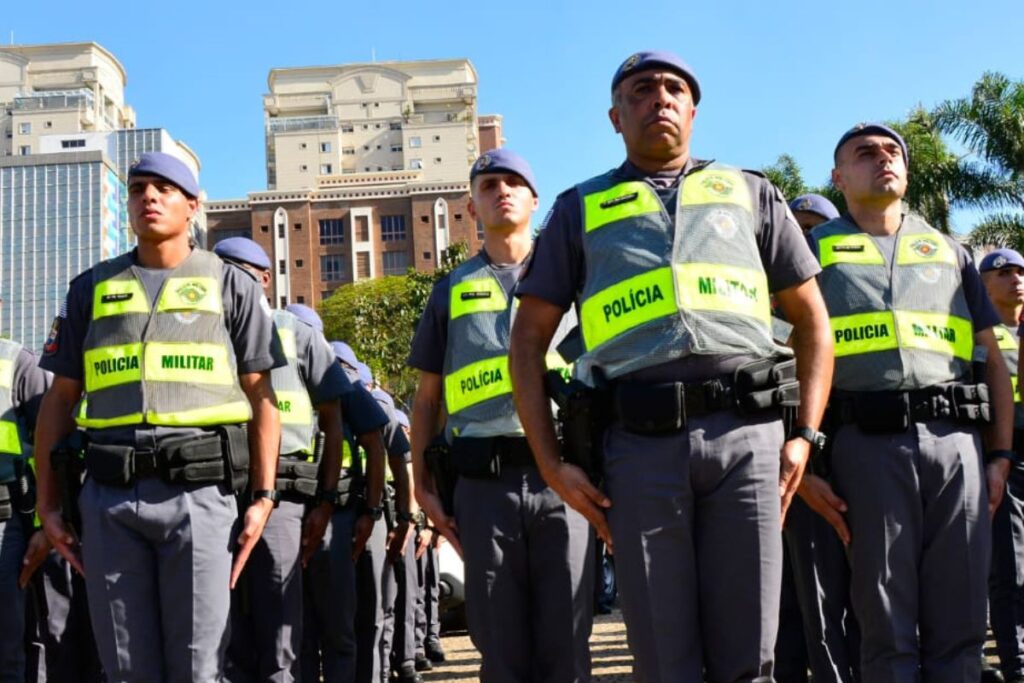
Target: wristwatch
375, 513
815, 438
327, 497
273, 495
405, 517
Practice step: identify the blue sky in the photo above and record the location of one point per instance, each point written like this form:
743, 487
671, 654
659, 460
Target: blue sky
776, 77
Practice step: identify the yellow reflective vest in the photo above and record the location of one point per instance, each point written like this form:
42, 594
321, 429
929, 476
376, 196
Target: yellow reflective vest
11, 436
658, 290
171, 364
298, 420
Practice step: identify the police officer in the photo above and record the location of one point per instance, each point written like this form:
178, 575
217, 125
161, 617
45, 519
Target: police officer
670, 261
330, 639
1002, 272
812, 209
907, 312
162, 356
267, 625
528, 556
22, 385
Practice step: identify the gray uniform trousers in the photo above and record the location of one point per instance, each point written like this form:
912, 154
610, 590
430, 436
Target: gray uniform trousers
428, 624
370, 606
790, 646
398, 639
329, 588
1006, 583
266, 605
920, 548
157, 565
62, 648
698, 553
821, 576
529, 567
13, 541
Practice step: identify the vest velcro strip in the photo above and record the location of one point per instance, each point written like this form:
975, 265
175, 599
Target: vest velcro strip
853, 249
625, 200
713, 287
118, 297
480, 295
627, 304
476, 382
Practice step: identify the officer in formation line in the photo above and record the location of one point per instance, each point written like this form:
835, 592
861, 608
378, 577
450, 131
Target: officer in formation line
528, 556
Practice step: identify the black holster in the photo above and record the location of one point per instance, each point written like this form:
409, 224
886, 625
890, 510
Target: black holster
439, 463
298, 474
6, 504
390, 507
890, 412
68, 463
583, 416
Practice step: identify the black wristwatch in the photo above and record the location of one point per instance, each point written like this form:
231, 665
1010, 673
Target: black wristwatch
375, 513
273, 495
405, 517
815, 438
1001, 453
327, 497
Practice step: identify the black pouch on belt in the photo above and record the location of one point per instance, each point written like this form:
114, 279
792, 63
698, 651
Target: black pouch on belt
194, 459
880, 412
650, 409
6, 507
235, 444
109, 464
766, 383
475, 458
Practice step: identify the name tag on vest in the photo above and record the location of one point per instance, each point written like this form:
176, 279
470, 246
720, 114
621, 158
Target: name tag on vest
114, 298
467, 296
847, 247
609, 203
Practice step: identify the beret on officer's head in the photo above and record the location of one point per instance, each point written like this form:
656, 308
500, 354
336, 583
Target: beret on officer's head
503, 160
403, 419
651, 59
815, 203
365, 374
872, 129
244, 250
168, 167
306, 315
345, 354
1001, 258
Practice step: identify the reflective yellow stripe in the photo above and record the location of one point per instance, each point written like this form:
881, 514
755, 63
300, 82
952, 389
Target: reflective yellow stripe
108, 366
9, 441
917, 249
554, 361
625, 305
477, 382
294, 407
118, 297
187, 362
856, 249
346, 454
6, 374
1016, 388
287, 338
715, 186
625, 200
864, 333
713, 287
103, 423
228, 413
190, 294
481, 295
937, 332
1005, 339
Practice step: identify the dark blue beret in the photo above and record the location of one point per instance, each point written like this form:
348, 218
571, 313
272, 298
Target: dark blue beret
306, 315
1001, 258
650, 59
403, 419
871, 129
504, 160
815, 203
365, 374
167, 167
242, 249
344, 353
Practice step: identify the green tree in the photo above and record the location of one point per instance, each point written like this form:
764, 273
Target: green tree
378, 318
786, 175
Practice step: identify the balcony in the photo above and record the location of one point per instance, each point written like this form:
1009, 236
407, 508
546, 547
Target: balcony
54, 99
287, 124
459, 93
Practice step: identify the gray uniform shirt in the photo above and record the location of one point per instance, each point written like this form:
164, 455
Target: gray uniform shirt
30, 382
246, 315
558, 269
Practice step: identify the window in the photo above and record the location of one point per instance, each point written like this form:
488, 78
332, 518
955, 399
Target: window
347, 128
377, 104
396, 125
48, 124
362, 265
366, 169
25, 150
332, 267
366, 148
264, 228
396, 148
395, 262
332, 231
300, 299
280, 230
298, 263
71, 144
437, 160
380, 168
25, 128
415, 163
415, 142
326, 169
392, 228
458, 216
366, 126
302, 145
348, 151
297, 226
378, 146
437, 138
284, 301
303, 168
424, 219
479, 230
377, 126
426, 256
362, 228
325, 147
282, 267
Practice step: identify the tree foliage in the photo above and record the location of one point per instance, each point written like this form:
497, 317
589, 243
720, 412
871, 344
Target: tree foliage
378, 318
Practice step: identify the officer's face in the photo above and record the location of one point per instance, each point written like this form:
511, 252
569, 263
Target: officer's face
654, 112
1005, 286
869, 169
808, 219
157, 209
501, 201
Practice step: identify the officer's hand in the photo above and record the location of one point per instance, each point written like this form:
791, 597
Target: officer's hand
423, 540
313, 529
820, 497
399, 539
361, 535
38, 548
62, 538
256, 517
573, 485
430, 502
795, 453
996, 472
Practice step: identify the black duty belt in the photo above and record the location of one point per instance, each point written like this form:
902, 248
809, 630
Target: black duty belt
188, 460
513, 451
665, 407
486, 457
894, 411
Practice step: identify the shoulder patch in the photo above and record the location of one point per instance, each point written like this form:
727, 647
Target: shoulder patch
50, 346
